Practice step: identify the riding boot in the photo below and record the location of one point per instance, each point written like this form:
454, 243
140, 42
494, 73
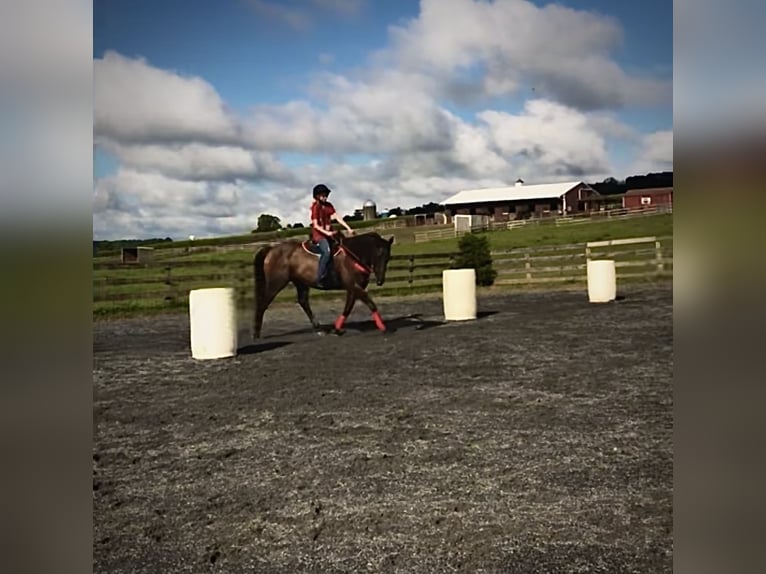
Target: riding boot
327, 281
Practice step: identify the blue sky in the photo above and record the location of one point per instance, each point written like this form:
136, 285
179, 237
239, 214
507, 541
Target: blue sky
208, 114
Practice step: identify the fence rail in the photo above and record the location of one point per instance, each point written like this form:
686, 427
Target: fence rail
558, 221
646, 257
634, 257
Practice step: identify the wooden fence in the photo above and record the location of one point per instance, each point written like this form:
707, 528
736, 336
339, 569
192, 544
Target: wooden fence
558, 221
170, 282
641, 257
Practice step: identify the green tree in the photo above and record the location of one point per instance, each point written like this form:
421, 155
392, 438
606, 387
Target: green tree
474, 253
268, 222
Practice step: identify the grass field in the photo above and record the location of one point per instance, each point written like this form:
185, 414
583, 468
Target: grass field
659, 225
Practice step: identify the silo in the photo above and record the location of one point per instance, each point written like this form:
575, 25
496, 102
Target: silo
369, 210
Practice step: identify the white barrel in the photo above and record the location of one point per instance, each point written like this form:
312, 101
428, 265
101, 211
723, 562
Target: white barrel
459, 288
602, 281
213, 321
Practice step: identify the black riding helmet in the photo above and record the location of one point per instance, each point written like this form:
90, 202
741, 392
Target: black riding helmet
321, 189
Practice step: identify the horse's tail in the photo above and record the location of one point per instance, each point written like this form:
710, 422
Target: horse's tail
260, 289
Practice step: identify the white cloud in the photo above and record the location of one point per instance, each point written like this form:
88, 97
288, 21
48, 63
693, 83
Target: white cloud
655, 153
562, 52
548, 140
475, 152
608, 125
133, 203
390, 113
136, 191
198, 161
137, 102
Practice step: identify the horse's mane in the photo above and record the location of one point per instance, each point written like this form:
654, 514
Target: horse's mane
364, 245
368, 239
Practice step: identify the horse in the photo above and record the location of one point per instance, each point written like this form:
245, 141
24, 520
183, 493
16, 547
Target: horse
355, 258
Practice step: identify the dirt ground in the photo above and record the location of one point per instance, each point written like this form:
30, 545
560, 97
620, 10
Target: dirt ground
536, 439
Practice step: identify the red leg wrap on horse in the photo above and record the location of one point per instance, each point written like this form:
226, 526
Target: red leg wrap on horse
378, 321
339, 322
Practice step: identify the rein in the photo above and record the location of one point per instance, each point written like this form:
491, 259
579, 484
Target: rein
357, 262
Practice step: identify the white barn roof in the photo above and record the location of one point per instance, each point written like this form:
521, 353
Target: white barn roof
511, 193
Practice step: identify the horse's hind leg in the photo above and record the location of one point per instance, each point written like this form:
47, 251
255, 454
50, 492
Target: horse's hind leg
303, 301
271, 290
339, 322
260, 309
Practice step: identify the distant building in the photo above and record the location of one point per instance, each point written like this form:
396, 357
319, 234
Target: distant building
137, 254
369, 210
521, 201
652, 197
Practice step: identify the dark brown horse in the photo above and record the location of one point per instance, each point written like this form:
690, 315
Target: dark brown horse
354, 260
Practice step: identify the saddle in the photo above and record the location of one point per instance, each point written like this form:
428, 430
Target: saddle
313, 249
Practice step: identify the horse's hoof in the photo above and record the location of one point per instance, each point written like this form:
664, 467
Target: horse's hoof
320, 332
339, 332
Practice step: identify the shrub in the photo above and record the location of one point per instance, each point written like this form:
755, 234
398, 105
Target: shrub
474, 253
268, 222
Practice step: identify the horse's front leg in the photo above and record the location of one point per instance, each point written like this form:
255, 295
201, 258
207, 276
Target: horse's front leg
364, 296
341, 320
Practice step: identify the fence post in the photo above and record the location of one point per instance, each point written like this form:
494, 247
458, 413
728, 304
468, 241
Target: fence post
411, 269
171, 296
242, 280
104, 287
658, 256
528, 267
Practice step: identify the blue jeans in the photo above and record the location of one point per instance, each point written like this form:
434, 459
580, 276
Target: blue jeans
324, 258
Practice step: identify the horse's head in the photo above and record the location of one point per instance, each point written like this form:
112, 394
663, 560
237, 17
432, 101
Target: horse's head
371, 250
380, 257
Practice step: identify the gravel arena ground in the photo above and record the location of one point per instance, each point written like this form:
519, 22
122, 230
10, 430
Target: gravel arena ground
535, 439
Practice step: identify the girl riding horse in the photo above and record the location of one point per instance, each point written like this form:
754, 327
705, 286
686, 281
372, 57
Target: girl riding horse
288, 261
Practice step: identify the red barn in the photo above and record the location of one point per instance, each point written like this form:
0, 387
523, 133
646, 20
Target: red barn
522, 201
652, 197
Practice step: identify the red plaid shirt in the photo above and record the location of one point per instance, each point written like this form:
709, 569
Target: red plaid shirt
322, 213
